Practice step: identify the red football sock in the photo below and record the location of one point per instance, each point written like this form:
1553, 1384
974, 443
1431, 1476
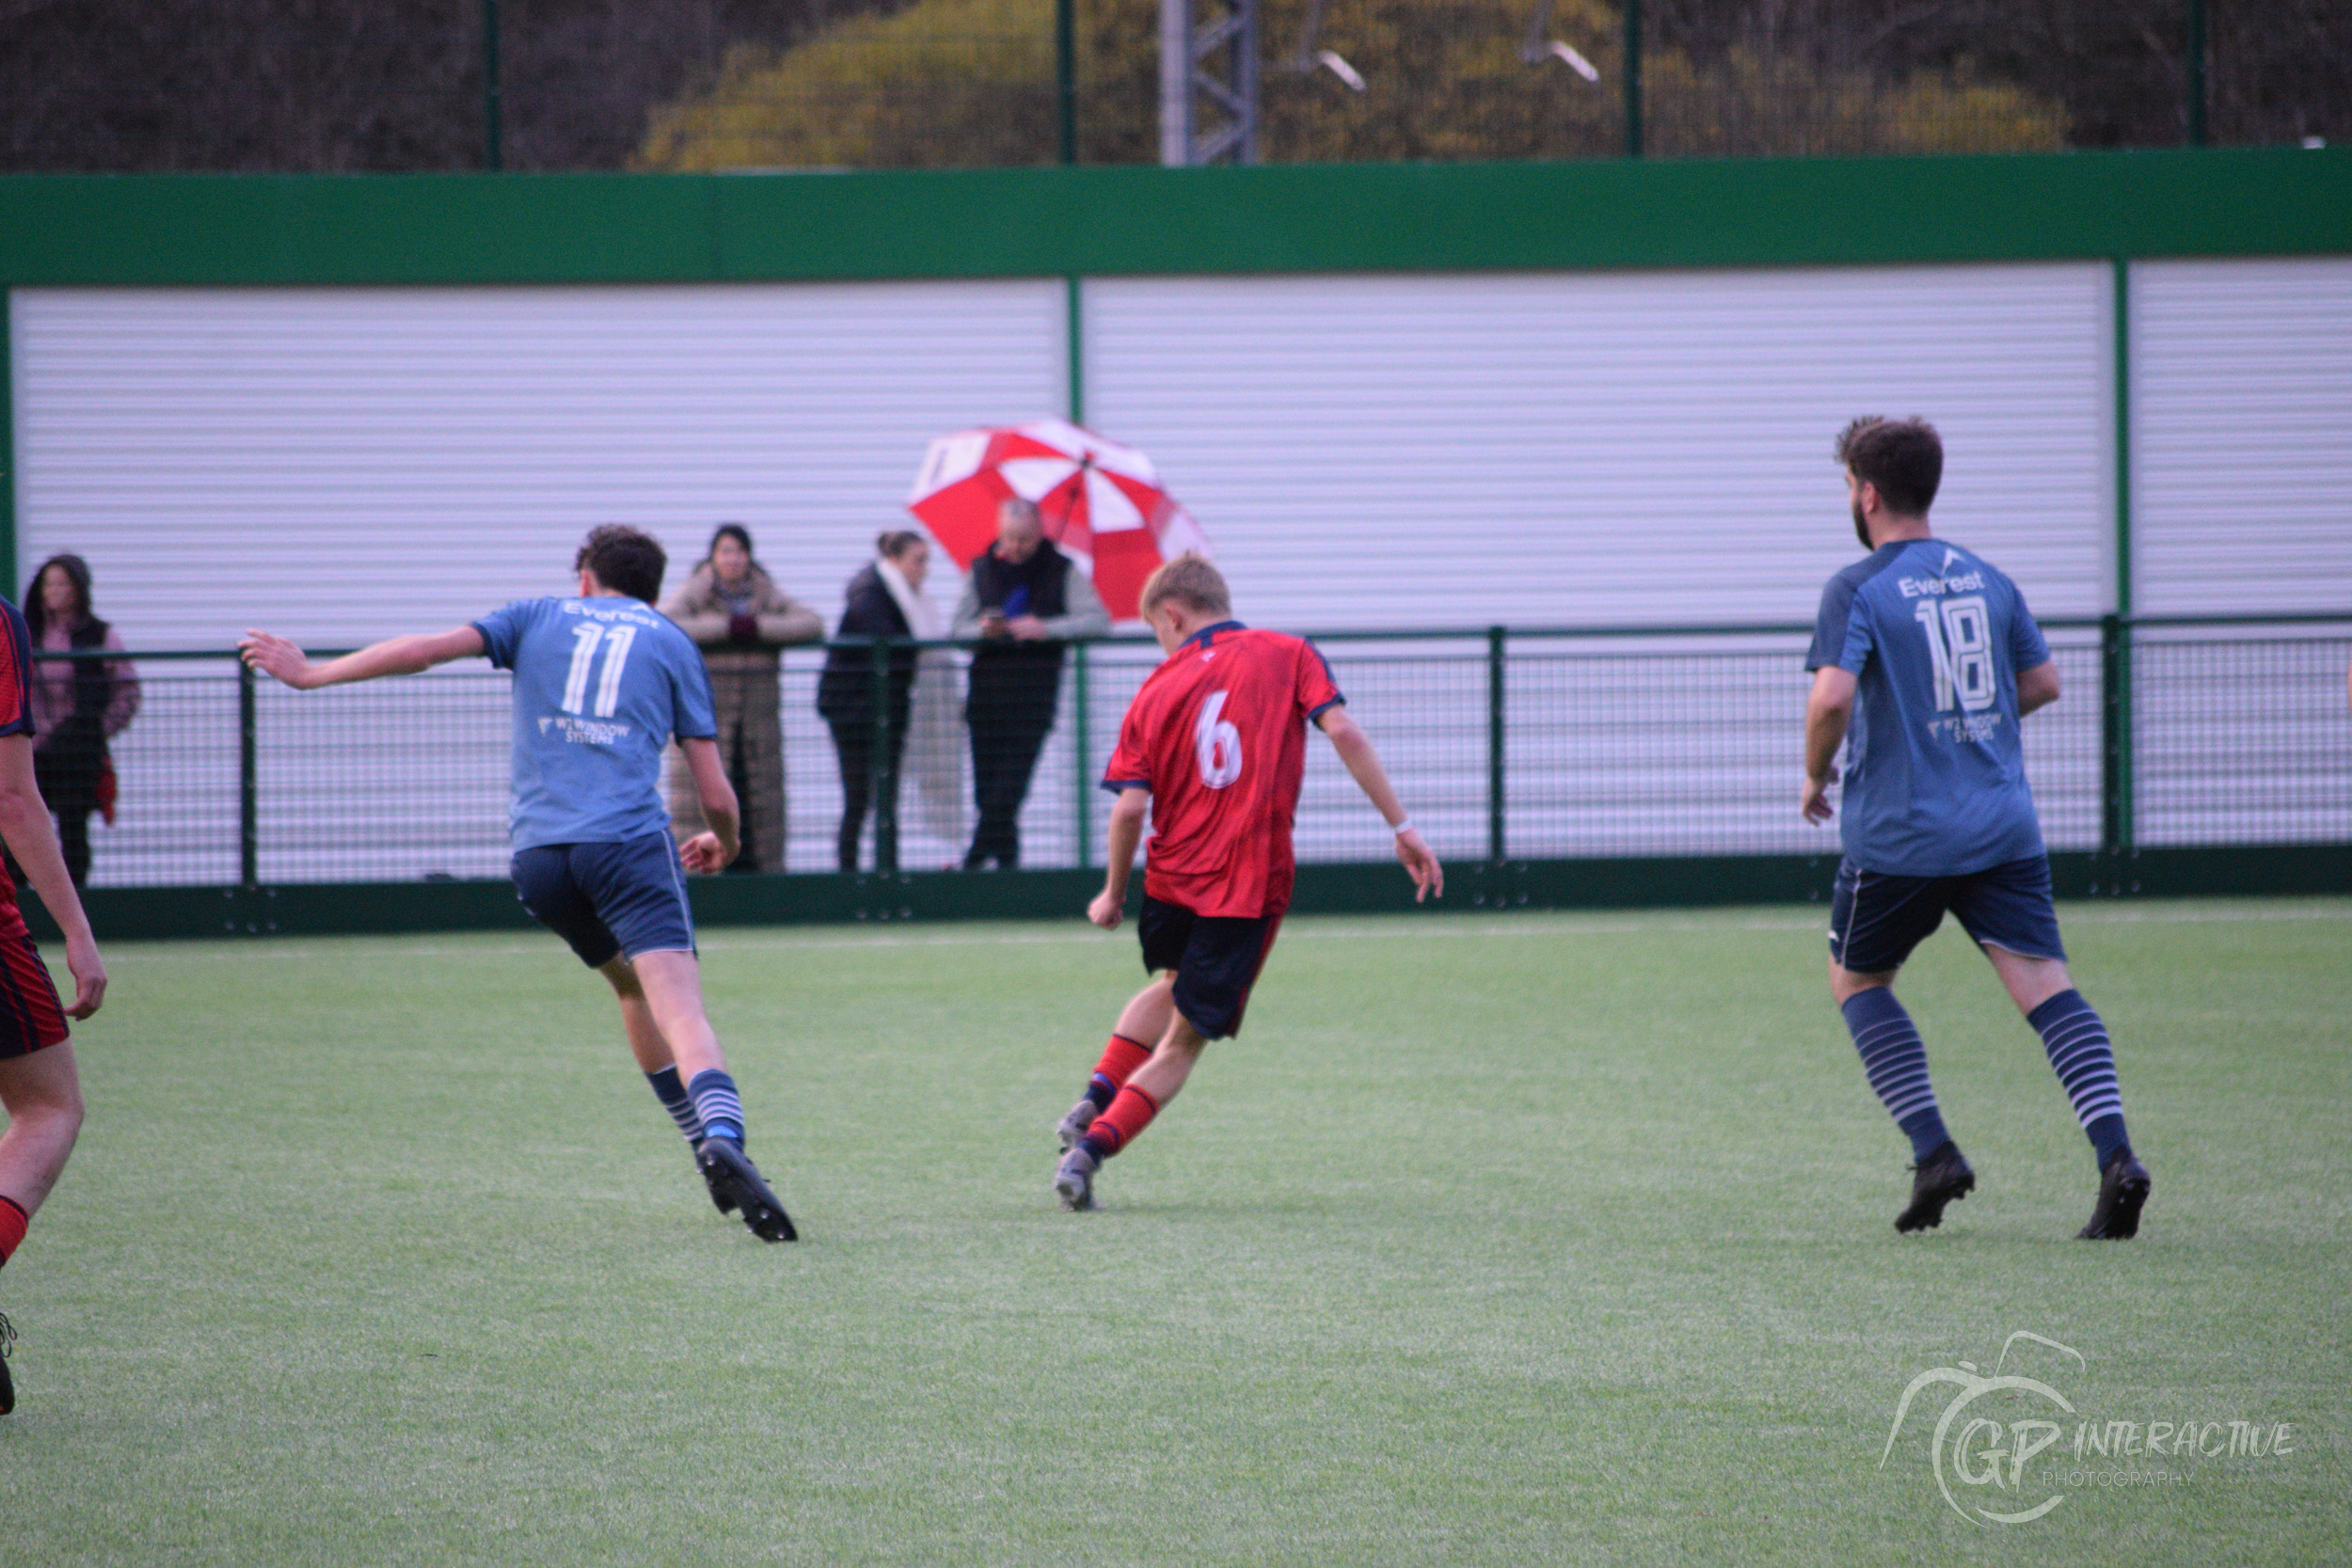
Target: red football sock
13, 1222
1119, 1125
1120, 1060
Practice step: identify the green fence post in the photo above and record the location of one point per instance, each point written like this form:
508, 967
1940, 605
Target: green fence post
883, 777
2116, 783
248, 782
2115, 744
1074, 347
1066, 75
1082, 742
7, 458
2194, 76
1495, 841
493, 131
1633, 78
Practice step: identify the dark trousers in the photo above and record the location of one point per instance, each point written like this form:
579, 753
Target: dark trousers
863, 783
1004, 750
69, 786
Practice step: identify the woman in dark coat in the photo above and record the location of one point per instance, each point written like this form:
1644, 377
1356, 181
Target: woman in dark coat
844, 692
78, 705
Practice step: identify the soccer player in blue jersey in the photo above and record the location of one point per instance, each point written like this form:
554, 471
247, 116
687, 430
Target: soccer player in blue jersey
602, 681
1924, 659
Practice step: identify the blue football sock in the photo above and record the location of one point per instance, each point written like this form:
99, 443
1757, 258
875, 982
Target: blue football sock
2084, 1061
1101, 1091
1895, 1061
671, 1091
716, 1101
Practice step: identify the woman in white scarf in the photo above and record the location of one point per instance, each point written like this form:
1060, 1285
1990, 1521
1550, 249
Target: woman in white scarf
885, 599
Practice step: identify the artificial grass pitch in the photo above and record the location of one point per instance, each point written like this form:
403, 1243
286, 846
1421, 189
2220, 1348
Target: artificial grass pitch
1496, 1238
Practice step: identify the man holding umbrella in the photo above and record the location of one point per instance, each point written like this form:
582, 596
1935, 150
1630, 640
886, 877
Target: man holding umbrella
1023, 602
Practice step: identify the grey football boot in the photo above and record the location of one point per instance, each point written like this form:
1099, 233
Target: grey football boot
1074, 1125
1073, 1180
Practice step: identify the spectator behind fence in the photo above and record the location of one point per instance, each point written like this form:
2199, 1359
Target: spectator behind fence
1024, 603
884, 599
740, 618
78, 704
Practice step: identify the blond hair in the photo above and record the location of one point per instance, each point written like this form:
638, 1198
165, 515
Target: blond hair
1191, 580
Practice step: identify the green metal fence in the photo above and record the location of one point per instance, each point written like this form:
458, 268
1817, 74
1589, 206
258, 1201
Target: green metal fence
403, 85
1509, 744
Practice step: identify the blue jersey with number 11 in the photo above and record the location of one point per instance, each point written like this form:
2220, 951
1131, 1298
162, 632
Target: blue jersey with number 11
600, 687
1934, 783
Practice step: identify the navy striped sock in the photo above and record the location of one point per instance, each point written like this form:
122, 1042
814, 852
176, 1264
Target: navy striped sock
1895, 1061
671, 1091
2084, 1060
716, 1101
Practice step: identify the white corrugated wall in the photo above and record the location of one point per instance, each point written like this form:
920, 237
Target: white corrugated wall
1608, 448
345, 464
2241, 396
1603, 448
342, 465
1398, 452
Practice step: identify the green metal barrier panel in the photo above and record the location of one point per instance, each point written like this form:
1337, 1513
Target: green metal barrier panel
1547, 766
66, 230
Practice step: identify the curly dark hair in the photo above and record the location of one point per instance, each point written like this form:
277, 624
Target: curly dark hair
1903, 458
626, 560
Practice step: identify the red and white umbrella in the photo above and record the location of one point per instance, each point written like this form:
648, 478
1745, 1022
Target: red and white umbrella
1102, 503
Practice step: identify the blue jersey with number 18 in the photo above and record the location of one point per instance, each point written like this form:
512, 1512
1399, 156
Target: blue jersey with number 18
600, 687
1934, 782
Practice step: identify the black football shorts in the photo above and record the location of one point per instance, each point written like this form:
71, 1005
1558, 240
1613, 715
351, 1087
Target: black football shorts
1215, 957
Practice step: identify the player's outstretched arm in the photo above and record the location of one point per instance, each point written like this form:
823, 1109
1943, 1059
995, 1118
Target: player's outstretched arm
716, 849
399, 656
1126, 832
1363, 765
26, 827
1827, 712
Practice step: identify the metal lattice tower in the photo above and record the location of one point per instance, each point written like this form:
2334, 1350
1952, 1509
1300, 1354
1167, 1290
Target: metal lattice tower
1208, 81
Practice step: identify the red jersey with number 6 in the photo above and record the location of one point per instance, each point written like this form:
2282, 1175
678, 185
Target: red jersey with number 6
1218, 736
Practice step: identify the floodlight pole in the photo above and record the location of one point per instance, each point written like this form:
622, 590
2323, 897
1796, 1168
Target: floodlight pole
1208, 83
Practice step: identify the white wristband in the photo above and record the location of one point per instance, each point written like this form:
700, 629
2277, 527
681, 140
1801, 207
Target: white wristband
1405, 827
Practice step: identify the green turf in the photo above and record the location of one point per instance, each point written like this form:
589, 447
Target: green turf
1498, 1240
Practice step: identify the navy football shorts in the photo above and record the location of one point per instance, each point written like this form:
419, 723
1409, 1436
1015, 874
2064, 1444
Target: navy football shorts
1215, 957
1876, 919
605, 898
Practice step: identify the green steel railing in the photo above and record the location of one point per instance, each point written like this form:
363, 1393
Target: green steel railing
1510, 743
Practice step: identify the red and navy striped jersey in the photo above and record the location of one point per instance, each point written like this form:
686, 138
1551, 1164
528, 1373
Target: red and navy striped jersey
1218, 736
16, 672
16, 717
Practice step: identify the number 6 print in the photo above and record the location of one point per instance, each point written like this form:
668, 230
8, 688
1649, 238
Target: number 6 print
1218, 744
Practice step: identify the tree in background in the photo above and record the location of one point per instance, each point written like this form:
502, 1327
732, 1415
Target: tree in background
971, 82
